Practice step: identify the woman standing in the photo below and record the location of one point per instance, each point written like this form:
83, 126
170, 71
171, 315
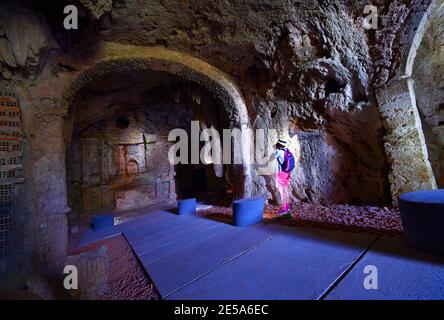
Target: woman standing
285, 163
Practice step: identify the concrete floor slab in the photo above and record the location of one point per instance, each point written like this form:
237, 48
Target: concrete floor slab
403, 274
168, 248
190, 228
174, 271
295, 264
169, 228
150, 222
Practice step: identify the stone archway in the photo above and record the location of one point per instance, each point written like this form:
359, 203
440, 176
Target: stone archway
428, 75
114, 57
404, 142
46, 104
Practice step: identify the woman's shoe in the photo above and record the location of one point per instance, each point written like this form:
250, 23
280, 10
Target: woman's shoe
283, 211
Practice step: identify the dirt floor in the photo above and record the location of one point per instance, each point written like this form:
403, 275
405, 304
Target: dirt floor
127, 280
336, 217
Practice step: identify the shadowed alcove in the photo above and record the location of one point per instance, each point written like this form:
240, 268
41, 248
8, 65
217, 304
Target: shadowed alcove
117, 159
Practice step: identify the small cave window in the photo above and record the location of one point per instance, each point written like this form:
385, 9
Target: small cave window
273, 113
441, 110
332, 86
122, 122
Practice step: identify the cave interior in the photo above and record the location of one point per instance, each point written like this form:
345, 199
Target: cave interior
87, 114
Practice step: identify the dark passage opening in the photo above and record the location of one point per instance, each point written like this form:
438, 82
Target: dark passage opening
118, 156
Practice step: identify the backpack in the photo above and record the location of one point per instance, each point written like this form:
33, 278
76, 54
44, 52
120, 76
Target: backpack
288, 163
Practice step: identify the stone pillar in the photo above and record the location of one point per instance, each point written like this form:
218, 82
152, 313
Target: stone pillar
404, 140
49, 189
42, 210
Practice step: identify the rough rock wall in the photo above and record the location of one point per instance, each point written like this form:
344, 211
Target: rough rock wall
25, 39
304, 66
299, 64
391, 44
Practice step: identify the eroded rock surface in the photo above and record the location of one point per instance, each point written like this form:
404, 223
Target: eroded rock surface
25, 38
93, 272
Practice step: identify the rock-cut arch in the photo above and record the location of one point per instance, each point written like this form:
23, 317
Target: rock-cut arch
404, 142
114, 57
